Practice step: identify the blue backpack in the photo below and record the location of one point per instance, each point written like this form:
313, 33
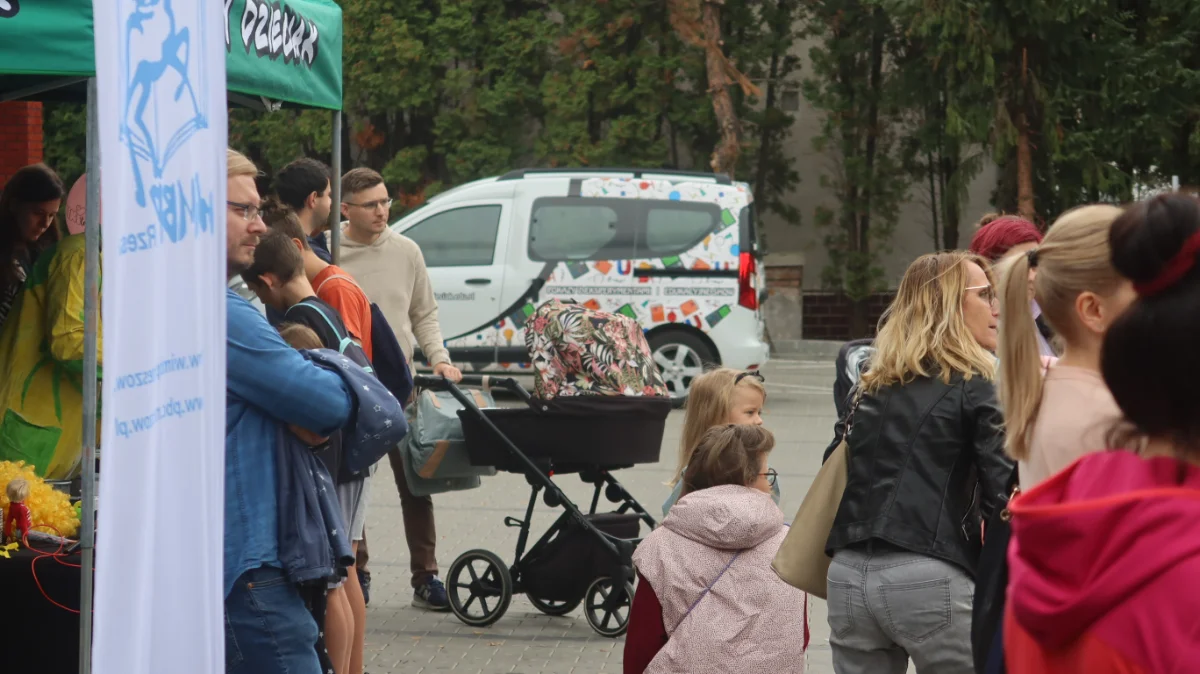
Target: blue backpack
346, 345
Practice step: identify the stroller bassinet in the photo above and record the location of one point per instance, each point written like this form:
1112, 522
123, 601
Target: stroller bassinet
600, 405
567, 435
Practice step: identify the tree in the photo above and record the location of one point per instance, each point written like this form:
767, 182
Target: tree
857, 95
766, 56
64, 129
698, 22
938, 61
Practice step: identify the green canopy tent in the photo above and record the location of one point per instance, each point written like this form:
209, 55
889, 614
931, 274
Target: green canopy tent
285, 53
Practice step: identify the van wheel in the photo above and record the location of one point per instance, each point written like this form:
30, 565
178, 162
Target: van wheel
681, 358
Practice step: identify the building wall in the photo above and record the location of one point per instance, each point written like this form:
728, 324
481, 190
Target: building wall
20, 137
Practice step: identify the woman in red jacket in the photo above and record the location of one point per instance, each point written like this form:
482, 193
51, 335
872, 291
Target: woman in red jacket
1105, 555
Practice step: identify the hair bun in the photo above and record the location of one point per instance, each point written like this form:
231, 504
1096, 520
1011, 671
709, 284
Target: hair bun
1155, 243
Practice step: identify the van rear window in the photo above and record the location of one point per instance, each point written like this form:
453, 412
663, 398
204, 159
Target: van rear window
575, 228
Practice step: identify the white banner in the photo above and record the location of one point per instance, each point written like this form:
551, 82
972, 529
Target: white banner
160, 68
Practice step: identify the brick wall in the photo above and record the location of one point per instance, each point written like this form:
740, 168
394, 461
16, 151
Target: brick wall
20, 137
827, 315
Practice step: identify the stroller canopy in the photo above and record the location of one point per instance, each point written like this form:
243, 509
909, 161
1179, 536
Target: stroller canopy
577, 351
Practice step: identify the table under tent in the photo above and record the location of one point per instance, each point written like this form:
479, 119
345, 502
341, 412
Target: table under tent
47, 54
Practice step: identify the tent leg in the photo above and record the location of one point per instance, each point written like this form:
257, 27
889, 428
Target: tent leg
91, 315
335, 213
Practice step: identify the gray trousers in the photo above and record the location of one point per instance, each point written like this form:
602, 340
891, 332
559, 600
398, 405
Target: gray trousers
888, 606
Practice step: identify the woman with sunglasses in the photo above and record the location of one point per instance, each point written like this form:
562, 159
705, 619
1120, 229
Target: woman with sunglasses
707, 599
926, 462
1001, 238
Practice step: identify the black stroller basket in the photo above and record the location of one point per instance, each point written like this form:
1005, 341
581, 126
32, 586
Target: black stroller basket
567, 435
561, 569
583, 558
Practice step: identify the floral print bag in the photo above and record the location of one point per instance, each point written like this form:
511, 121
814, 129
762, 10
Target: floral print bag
578, 351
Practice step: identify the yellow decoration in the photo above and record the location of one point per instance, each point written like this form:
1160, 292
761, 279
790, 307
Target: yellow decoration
46, 504
11, 547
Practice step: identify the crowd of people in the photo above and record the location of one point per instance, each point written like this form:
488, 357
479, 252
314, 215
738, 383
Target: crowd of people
378, 298
370, 311
1032, 392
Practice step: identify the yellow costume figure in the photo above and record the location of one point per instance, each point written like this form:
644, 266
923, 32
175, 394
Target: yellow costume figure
41, 358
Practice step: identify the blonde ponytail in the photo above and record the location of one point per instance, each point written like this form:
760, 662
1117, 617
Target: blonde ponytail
1073, 258
1020, 362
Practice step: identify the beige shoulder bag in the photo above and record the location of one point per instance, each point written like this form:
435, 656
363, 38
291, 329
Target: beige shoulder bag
801, 561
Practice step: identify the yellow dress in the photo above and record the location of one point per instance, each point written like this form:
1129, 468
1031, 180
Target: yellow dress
41, 361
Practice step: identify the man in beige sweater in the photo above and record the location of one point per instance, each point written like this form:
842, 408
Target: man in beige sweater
391, 269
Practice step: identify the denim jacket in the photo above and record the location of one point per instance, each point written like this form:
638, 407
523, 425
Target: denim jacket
313, 540
268, 385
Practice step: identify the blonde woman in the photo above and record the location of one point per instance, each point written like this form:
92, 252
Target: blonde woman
1052, 422
926, 462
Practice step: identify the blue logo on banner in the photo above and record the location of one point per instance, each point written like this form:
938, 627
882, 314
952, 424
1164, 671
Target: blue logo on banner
161, 114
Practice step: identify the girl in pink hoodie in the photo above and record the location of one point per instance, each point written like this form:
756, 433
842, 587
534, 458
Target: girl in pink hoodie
1105, 556
707, 599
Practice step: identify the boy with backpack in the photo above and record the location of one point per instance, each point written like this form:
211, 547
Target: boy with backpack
278, 278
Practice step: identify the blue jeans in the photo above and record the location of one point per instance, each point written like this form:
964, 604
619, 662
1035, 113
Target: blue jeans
268, 630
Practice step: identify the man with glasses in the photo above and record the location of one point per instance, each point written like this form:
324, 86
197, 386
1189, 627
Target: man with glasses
391, 269
268, 385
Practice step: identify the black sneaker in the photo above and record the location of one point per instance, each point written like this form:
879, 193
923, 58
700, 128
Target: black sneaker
431, 596
364, 581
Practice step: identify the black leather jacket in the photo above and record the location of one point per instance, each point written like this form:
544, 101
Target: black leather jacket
926, 465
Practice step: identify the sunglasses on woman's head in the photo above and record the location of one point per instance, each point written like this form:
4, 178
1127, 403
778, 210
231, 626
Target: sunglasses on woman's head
752, 373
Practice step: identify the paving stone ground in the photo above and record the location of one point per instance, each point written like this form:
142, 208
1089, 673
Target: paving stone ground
402, 639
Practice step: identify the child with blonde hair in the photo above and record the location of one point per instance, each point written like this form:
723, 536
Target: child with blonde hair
718, 397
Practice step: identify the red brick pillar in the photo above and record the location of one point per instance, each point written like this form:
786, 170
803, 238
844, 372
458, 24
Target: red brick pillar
20, 137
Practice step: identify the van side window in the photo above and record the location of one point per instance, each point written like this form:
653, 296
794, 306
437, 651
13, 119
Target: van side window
462, 237
670, 231
596, 228
575, 231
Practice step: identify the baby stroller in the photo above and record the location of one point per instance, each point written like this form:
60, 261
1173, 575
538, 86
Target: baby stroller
599, 406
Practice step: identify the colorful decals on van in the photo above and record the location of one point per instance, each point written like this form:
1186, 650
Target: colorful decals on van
610, 285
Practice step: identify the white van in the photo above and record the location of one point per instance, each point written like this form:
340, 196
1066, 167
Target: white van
677, 251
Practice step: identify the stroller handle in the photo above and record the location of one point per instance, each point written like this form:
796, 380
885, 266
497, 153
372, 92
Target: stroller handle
486, 382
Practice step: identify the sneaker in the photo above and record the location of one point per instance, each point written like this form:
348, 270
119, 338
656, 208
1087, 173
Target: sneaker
364, 581
431, 596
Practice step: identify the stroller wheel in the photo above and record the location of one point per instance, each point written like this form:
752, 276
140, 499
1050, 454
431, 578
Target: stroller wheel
607, 607
480, 587
555, 608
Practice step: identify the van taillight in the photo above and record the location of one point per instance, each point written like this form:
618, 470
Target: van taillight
747, 272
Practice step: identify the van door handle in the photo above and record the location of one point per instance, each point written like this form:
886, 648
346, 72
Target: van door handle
479, 281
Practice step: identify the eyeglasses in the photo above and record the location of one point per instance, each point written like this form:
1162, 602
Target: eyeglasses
771, 475
372, 205
752, 373
248, 211
986, 293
